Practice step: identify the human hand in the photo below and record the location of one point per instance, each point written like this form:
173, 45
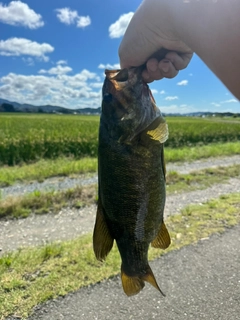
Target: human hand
150, 39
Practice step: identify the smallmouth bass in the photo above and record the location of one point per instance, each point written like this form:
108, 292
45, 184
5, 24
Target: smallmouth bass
131, 177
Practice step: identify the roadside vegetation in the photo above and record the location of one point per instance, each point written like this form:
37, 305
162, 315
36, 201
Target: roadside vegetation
34, 275
27, 138
52, 202
62, 166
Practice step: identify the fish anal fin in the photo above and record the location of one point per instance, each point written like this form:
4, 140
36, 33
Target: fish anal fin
133, 285
102, 239
158, 130
162, 239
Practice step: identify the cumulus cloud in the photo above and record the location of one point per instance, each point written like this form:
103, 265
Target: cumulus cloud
162, 92
68, 16
83, 22
118, 28
182, 83
216, 104
22, 46
56, 70
170, 98
230, 101
154, 91
109, 66
62, 62
54, 86
17, 13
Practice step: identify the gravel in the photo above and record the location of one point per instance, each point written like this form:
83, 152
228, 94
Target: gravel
70, 223
67, 183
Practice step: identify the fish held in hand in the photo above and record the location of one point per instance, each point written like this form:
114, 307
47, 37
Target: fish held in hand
131, 177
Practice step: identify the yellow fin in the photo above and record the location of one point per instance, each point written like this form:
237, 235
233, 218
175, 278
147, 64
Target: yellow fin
162, 239
131, 285
160, 133
102, 240
149, 277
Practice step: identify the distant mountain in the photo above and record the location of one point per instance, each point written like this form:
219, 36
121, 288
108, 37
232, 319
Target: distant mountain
10, 106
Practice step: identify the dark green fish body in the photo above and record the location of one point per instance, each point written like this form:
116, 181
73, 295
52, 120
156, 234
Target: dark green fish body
131, 177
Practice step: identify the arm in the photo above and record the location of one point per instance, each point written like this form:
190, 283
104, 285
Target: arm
208, 27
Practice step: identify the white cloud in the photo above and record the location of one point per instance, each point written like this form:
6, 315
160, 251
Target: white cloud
109, 66
230, 101
17, 13
170, 98
68, 16
118, 28
57, 70
154, 91
215, 104
174, 108
182, 83
83, 22
29, 61
21, 46
162, 92
97, 85
62, 62
53, 87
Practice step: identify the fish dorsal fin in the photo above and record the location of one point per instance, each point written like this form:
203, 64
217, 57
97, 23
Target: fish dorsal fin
158, 130
102, 239
162, 239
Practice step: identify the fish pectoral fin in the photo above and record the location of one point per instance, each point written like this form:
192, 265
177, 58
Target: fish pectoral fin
133, 285
102, 239
158, 130
162, 239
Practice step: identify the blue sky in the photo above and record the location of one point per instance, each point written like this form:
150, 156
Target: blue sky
55, 52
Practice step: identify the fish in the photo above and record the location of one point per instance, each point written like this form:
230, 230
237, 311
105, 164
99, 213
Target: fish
131, 177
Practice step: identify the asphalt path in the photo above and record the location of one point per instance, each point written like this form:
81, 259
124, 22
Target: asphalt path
201, 281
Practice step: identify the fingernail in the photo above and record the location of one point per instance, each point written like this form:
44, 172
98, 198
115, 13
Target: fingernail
165, 65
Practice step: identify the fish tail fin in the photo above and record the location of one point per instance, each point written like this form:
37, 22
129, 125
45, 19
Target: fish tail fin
134, 284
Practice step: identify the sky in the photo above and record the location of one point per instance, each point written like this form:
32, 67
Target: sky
55, 52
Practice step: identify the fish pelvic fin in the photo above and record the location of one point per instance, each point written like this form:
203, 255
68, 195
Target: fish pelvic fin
158, 130
133, 285
102, 239
162, 239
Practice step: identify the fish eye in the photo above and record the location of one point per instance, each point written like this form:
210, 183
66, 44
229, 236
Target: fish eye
107, 97
121, 76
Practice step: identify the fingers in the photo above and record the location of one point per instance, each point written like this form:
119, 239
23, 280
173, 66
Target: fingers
167, 67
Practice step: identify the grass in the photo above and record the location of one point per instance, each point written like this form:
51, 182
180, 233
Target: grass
34, 275
52, 202
200, 179
30, 137
63, 166
201, 152
47, 202
46, 169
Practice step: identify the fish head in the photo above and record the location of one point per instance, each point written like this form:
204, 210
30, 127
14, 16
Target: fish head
128, 106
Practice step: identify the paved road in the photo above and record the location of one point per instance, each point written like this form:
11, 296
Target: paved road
201, 281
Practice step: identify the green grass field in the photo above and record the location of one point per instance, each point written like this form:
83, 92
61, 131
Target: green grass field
26, 138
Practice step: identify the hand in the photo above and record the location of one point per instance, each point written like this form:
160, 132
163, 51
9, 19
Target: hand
150, 39
167, 67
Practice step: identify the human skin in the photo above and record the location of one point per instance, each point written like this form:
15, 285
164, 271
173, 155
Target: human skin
210, 28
